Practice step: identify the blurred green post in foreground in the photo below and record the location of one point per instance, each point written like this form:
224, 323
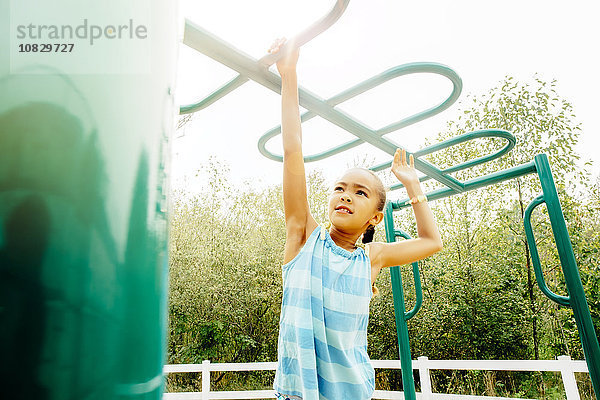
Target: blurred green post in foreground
84, 138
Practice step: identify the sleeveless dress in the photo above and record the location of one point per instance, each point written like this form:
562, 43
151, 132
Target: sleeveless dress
322, 345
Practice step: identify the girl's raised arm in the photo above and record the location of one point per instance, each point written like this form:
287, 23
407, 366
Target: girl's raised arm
299, 222
428, 241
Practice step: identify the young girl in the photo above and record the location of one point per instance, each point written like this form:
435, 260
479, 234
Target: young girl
327, 280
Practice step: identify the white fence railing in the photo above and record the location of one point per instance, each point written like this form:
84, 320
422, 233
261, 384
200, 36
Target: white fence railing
562, 364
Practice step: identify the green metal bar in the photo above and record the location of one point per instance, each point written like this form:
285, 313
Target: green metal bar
475, 183
486, 133
537, 266
269, 59
401, 70
408, 382
214, 96
577, 299
416, 278
465, 137
309, 33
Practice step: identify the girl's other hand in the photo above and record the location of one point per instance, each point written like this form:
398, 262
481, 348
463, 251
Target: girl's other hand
287, 63
406, 174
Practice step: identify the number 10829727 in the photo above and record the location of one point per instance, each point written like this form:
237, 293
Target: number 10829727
46, 47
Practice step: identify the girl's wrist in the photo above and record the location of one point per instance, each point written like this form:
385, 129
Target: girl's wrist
413, 189
287, 72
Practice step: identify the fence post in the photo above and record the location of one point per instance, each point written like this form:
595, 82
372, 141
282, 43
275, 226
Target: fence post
568, 377
425, 378
205, 379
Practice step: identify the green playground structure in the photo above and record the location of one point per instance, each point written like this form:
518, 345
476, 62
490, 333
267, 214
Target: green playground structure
576, 299
83, 213
257, 70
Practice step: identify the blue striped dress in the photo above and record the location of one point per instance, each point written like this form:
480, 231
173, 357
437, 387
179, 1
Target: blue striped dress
322, 345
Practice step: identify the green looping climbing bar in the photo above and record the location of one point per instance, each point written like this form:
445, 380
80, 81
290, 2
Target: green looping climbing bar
258, 71
359, 129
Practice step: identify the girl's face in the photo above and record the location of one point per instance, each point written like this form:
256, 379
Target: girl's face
354, 200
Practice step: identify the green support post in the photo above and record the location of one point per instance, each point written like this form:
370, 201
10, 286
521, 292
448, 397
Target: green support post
84, 165
408, 382
576, 296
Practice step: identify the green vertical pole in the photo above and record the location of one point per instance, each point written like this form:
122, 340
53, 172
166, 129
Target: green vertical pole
577, 299
84, 161
408, 381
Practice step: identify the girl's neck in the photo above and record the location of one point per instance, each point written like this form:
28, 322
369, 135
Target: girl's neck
344, 240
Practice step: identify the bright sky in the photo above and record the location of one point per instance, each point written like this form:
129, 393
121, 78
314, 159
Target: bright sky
482, 41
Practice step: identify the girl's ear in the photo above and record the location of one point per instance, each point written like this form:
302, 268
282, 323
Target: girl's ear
377, 218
